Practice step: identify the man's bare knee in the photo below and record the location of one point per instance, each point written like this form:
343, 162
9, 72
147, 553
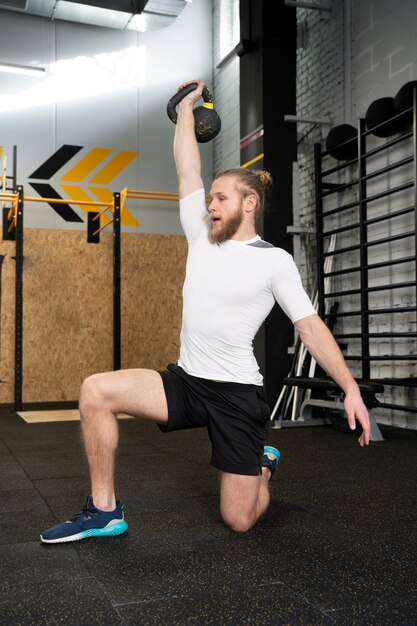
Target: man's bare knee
239, 522
91, 397
137, 392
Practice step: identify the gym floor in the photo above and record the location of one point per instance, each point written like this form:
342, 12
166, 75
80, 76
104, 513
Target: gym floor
337, 545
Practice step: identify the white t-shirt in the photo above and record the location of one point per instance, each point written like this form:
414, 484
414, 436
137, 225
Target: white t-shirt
229, 290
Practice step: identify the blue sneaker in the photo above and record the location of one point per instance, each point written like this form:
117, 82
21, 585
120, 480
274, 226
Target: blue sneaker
90, 522
270, 459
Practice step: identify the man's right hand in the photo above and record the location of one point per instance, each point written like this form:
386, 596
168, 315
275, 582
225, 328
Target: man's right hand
195, 95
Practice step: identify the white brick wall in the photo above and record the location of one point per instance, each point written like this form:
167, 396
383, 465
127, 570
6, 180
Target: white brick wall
382, 40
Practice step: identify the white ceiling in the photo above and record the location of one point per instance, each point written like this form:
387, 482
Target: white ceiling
142, 15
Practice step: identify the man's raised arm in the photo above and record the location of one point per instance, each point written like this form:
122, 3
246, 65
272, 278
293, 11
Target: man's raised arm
186, 151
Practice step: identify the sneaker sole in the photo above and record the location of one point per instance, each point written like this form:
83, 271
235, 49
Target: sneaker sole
272, 450
273, 455
107, 531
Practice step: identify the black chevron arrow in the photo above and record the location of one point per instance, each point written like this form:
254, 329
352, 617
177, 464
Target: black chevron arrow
63, 209
55, 162
46, 171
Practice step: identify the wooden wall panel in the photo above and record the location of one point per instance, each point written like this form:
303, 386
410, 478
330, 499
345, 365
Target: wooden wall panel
153, 270
67, 309
7, 300
67, 312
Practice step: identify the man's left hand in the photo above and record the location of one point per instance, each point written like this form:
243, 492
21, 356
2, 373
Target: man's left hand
356, 410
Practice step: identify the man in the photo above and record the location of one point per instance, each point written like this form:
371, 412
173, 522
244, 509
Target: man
232, 281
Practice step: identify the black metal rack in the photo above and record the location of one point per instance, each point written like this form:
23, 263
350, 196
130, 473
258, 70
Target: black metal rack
376, 233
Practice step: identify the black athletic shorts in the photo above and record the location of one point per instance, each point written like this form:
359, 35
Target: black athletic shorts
236, 416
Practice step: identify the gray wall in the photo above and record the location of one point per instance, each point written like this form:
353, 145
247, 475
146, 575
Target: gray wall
357, 53
226, 88
103, 88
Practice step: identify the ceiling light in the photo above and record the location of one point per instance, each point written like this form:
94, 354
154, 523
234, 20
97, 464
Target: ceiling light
13, 68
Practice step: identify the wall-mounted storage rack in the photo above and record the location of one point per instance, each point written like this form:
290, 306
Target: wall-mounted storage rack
369, 203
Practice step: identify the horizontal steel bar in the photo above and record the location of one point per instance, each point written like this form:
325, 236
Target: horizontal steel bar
338, 167
345, 314
405, 309
377, 242
334, 186
388, 168
397, 407
391, 286
349, 270
403, 382
339, 209
367, 177
307, 120
388, 216
386, 287
373, 266
371, 153
373, 220
389, 192
132, 192
374, 242
384, 123
381, 194
386, 335
348, 292
385, 357
388, 144
336, 231
340, 251
370, 266
339, 188
66, 201
368, 244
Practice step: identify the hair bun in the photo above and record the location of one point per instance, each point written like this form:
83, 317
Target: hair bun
264, 177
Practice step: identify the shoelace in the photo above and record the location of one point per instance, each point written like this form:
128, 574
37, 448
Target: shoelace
85, 513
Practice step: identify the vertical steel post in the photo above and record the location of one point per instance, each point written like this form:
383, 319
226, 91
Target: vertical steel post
14, 168
18, 365
415, 176
116, 284
363, 240
319, 230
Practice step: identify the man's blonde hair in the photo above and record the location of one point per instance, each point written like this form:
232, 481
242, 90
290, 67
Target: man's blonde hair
251, 181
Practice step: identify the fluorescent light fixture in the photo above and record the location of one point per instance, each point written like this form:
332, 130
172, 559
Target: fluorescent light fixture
189, 1
80, 78
13, 68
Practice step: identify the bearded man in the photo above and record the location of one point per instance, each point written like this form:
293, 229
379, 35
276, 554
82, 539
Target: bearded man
233, 279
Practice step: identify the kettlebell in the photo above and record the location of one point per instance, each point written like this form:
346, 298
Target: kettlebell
207, 121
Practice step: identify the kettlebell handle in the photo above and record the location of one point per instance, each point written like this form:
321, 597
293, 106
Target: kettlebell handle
176, 99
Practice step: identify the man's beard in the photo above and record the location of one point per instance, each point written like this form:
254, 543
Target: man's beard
229, 227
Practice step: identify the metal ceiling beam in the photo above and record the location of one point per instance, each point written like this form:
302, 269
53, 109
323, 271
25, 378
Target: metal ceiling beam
143, 15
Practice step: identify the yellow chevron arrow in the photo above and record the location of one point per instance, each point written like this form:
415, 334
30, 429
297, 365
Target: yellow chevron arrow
77, 193
86, 165
114, 167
